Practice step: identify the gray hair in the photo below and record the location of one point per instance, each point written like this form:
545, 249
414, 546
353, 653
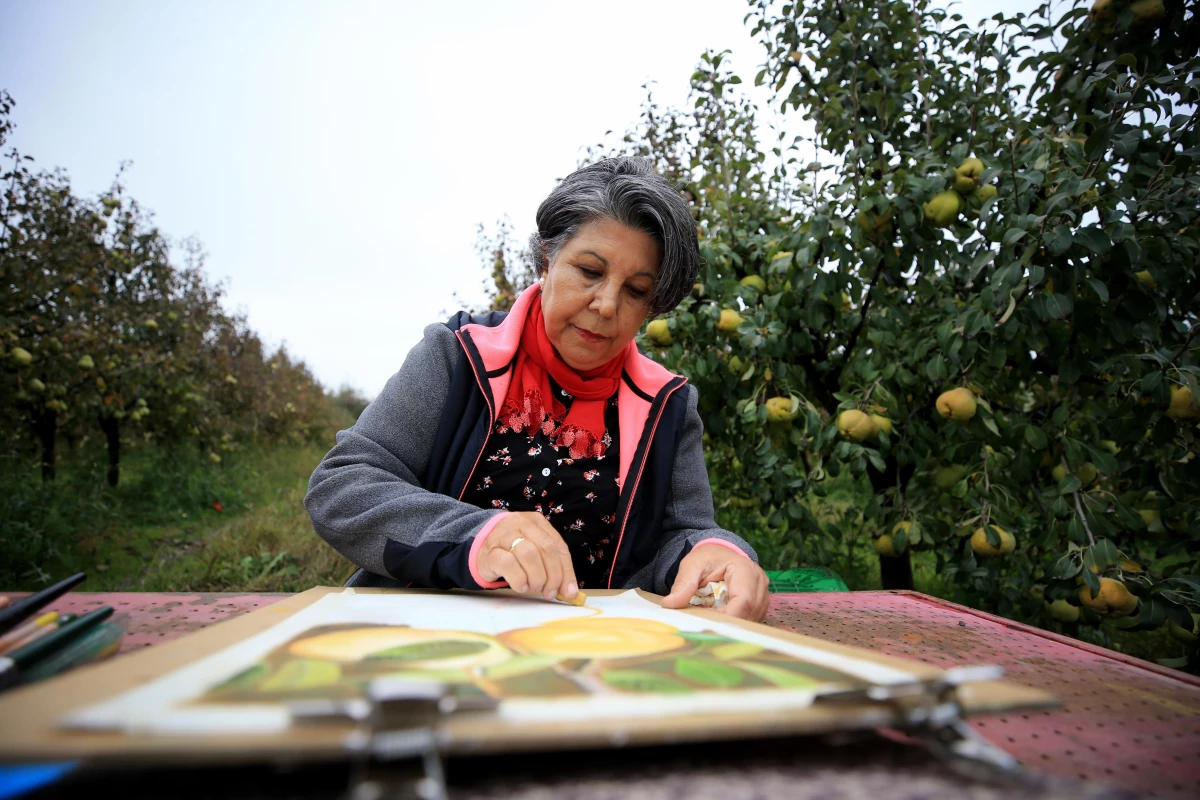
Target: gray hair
626, 190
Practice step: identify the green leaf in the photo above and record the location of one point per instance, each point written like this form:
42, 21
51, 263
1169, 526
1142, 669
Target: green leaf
519, 665
1094, 239
735, 650
1035, 438
643, 680
300, 674
709, 673
1092, 580
1013, 235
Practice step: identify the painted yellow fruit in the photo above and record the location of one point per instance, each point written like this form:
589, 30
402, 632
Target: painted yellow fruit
945, 477
20, 357
884, 546
1181, 403
756, 281
957, 404
1146, 279
659, 332
986, 192
779, 409
729, 320
982, 547
416, 648
856, 426
584, 638
882, 423
942, 209
1113, 599
1063, 611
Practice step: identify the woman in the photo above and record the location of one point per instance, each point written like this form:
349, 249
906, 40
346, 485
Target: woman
539, 449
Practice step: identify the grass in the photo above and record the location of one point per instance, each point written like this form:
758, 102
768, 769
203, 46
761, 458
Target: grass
161, 530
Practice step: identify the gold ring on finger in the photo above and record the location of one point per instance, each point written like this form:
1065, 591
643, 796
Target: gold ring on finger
515, 542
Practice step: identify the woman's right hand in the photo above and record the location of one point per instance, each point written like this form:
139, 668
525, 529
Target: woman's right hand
539, 563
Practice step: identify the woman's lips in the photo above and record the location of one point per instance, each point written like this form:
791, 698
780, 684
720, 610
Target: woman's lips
588, 336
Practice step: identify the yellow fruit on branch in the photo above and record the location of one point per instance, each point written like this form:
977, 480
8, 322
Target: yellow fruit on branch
1063, 611
85, 362
1147, 12
874, 224
1113, 599
779, 409
986, 192
971, 167
1102, 11
659, 332
1182, 634
729, 321
942, 209
957, 404
885, 546
1146, 279
946, 477
856, 426
754, 280
20, 357
982, 547
1181, 403
882, 423
36, 385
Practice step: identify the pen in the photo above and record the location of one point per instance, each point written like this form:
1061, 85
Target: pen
16, 613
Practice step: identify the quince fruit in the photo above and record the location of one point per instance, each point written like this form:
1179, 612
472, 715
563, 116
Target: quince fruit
1181, 403
729, 320
754, 280
957, 404
982, 547
942, 209
856, 426
884, 546
1063, 611
85, 362
946, 477
1113, 599
986, 192
882, 423
659, 332
20, 357
779, 409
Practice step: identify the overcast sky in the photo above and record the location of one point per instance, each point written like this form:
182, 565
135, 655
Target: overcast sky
336, 158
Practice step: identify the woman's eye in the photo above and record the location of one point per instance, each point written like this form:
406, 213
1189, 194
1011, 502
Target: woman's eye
638, 293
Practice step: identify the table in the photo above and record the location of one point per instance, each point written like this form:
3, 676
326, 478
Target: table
1129, 724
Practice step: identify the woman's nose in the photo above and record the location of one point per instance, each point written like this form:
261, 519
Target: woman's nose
604, 302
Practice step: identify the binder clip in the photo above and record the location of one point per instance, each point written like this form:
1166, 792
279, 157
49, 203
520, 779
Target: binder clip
394, 745
931, 714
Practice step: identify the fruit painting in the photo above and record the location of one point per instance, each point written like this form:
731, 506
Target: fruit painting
572, 657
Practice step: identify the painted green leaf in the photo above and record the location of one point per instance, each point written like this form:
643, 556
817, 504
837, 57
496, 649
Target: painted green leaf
704, 637
709, 673
643, 680
728, 652
430, 651
244, 679
778, 676
519, 665
302, 673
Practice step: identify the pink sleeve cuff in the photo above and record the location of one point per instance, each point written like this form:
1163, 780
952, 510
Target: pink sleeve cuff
721, 542
478, 543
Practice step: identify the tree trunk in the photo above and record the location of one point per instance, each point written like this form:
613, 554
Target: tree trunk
112, 434
896, 573
45, 426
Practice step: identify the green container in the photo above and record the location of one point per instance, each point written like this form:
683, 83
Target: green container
806, 579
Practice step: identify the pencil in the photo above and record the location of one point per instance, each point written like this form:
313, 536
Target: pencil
19, 611
99, 643
12, 664
4, 601
11, 639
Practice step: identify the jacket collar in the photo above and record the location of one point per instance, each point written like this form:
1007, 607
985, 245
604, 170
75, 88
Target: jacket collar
644, 379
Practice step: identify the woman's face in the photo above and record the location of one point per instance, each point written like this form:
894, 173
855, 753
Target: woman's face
596, 292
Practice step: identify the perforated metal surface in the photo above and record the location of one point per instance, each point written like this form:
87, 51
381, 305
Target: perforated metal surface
151, 618
1122, 721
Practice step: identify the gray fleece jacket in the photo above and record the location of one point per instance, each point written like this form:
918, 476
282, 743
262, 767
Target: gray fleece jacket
386, 495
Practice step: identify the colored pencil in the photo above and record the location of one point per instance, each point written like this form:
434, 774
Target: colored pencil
19, 611
12, 664
10, 640
44, 630
4, 601
99, 643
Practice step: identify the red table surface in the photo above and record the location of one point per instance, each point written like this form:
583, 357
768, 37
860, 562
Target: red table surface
1123, 721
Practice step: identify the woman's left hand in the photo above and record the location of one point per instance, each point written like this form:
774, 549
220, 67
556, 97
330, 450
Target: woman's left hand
745, 580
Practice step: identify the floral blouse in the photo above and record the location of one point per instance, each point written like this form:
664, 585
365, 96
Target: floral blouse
525, 472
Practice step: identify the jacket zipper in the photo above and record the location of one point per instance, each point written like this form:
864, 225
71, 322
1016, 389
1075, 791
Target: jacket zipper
491, 413
633, 487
